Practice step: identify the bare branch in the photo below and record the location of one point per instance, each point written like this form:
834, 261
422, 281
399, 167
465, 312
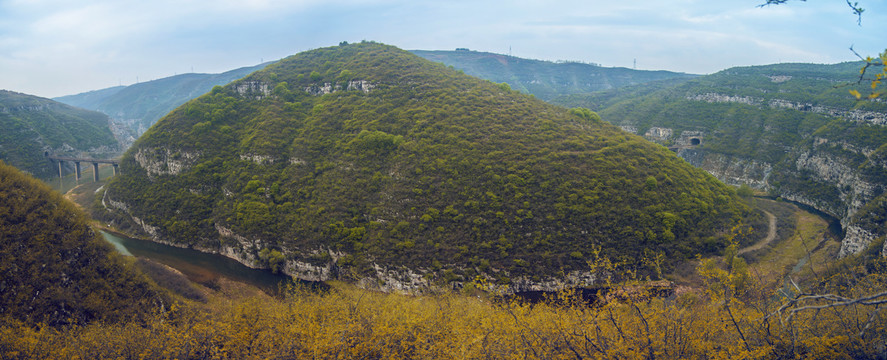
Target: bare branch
856, 10
832, 301
853, 7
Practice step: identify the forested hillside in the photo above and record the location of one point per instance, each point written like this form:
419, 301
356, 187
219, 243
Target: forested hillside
545, 79
31, 126
54, 269
134, 108
793, 129
367, 162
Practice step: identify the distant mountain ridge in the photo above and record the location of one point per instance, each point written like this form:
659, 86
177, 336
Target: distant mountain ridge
31, 126
545, 79
134, 108
793, 129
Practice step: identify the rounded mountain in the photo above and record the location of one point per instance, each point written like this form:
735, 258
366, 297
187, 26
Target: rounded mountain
365, 162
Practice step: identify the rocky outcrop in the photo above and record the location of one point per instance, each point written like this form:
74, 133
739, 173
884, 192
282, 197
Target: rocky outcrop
258, 159
329, 88
779, 78
163, 161
855, 115
629, 128
574, 279
722, 98
152, 231
854, 190
658, 134
856, 239
386, 279
733, 170
829, 162
403, 280
252, 89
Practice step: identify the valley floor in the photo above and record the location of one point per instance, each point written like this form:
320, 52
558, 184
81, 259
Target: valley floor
730, 313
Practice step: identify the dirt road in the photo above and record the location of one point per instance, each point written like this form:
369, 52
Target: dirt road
771, 235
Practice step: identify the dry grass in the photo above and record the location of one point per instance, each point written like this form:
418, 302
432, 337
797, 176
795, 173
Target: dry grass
350, 323
811, 237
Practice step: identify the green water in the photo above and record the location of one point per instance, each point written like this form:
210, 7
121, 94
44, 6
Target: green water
200, 267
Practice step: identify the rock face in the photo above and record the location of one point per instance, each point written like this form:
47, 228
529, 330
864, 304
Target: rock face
855, 240
733, 170
840, 187
861, 116
783, 128
329, 88
657, 133
163, 161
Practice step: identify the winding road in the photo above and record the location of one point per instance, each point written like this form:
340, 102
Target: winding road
771, 235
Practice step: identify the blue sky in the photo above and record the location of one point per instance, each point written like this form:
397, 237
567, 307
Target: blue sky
59, 47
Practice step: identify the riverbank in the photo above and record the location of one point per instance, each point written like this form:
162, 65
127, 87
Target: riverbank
779, 236
810, 245
202, 268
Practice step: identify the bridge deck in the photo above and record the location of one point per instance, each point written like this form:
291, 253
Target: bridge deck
100, 161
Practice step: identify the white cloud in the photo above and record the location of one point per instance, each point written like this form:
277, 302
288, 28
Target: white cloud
57, 47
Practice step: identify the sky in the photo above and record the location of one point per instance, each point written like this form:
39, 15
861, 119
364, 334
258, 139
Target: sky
52, 48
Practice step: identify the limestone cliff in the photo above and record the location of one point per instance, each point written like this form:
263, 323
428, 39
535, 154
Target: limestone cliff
784, 128
832, 175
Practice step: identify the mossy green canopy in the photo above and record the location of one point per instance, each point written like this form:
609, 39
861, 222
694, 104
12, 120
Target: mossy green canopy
365, 154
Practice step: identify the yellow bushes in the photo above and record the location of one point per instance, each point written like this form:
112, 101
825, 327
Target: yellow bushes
349, 323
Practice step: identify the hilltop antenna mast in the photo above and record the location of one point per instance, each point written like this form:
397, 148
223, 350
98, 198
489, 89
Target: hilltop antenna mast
635, 64
509, 50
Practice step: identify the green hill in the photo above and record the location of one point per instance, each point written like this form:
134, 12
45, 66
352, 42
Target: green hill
134, 108
545, 79
366, 162
793, 129
33, 125
54, 269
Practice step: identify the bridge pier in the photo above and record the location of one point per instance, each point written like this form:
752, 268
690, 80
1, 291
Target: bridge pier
78, 169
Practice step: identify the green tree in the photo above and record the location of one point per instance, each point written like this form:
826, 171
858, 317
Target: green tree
272, 258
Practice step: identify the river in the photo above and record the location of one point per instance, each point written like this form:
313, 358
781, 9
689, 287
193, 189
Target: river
200, 267
834, 224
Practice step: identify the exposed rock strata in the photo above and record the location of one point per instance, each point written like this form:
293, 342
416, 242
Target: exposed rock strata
855, 115
329, 88
162, 161
399, 280
856, 240
732, 170
819, 161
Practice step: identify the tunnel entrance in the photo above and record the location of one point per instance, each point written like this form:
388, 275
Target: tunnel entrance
695, 141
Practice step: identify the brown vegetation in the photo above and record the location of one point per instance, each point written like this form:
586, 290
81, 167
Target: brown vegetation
734, 317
